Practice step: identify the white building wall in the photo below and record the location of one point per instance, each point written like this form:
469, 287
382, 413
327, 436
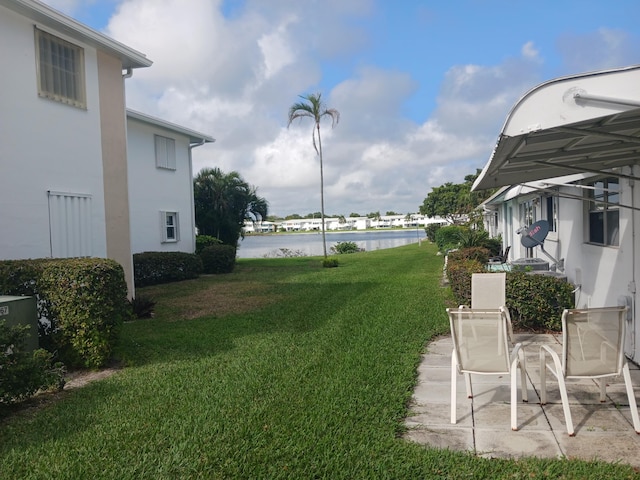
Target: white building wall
44, 146
152, 190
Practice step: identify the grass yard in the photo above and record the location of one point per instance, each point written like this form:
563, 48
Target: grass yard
281, 369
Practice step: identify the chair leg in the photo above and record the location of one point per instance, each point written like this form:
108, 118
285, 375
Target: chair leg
514, 396
454, 396
632, 397
565, 405
523, 377
467, 381
543, 378
557, 372
602, 383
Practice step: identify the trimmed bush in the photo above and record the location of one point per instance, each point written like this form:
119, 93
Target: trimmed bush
459, 274
218, 259
23, 373
479, 254
329, 262
203, 241
346, 247
87, 300
536, 302
448, 238
152, 268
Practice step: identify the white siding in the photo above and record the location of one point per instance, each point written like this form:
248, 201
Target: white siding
153, 190
44, 146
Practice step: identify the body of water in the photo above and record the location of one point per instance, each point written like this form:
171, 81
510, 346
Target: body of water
310, 244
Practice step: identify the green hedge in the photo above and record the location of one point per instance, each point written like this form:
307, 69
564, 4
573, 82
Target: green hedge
82, 303
152, 268
203, 241
218, 259
535, 302
448, 237
23, 372
88, 299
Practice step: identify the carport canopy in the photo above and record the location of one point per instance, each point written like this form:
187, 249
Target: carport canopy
581, 123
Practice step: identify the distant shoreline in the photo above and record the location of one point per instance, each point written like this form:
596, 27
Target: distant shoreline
331, 232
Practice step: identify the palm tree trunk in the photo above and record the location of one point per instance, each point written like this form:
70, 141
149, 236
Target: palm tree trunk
324, 241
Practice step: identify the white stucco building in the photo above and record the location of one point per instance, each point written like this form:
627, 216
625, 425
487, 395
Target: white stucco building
69, 187
160, 174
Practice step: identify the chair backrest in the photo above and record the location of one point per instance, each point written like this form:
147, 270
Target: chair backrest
593, 341
488, 290
505, 256
480, 340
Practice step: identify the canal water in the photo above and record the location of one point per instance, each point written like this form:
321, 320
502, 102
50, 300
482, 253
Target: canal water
310, 244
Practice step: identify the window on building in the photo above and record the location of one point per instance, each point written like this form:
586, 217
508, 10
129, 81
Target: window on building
165, 152
170, 232
603, 212
550, 207
60, 67
527, 213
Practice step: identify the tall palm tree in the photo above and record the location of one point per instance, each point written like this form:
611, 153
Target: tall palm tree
314, 108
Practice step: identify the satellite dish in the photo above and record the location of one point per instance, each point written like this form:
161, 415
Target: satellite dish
534, 235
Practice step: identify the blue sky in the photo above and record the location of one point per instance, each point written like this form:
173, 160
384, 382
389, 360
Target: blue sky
423, 87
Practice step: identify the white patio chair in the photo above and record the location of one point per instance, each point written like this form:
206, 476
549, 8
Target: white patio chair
592, 347
481, 346
489, 291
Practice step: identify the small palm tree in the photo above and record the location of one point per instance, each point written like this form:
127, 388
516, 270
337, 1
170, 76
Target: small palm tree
315, 109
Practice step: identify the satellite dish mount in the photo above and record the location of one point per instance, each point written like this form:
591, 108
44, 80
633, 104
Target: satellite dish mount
534, 236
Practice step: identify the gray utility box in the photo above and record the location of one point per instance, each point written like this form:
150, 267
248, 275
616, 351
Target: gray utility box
21, 311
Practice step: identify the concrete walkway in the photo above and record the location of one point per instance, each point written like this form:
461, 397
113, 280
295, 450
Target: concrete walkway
603, 430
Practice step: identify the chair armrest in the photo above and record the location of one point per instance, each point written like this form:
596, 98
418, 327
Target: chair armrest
544, 350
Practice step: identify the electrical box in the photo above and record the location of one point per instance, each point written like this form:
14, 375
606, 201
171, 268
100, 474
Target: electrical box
21, 311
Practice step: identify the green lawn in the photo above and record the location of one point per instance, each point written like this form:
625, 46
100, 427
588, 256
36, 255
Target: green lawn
282, 369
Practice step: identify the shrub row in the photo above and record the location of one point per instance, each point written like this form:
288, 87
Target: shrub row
82, 303
535, 302
218, 258
152, 268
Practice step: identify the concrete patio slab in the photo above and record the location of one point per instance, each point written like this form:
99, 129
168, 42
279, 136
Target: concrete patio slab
603, 430
505, 443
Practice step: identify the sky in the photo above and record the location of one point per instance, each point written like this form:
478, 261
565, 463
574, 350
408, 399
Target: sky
423, 87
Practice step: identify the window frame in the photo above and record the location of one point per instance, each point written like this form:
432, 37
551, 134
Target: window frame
550, 209
599, 204
166, 226
165, 152
54, 83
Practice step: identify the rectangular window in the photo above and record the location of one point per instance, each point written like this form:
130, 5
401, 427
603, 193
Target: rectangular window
550, 206
60, 67
165, 152
527, 213
603, 213
170, 231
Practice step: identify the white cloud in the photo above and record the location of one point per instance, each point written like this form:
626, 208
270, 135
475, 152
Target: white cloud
602, 49
235, 78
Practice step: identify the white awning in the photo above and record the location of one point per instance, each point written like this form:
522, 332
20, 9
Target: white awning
582, 123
